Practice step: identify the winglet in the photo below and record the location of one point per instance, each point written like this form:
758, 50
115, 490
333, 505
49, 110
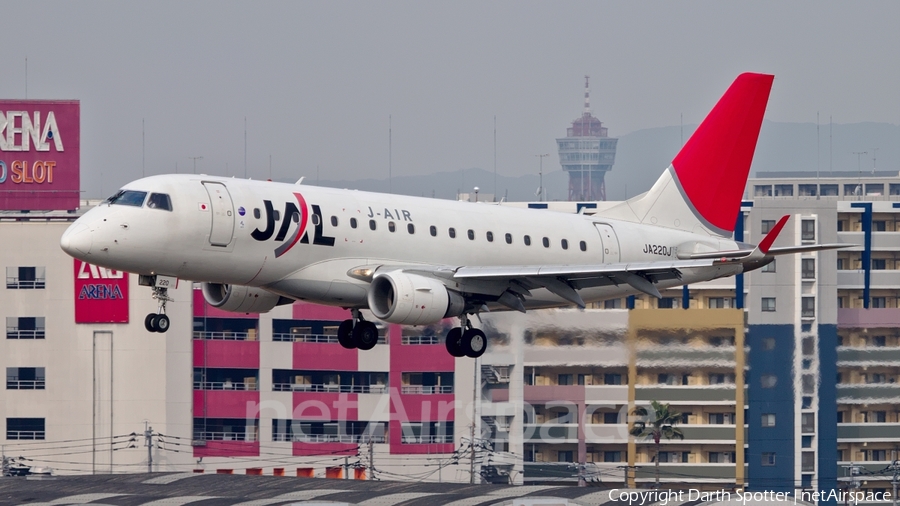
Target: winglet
769, 239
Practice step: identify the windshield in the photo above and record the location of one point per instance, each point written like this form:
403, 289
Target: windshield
159, 201
127, 198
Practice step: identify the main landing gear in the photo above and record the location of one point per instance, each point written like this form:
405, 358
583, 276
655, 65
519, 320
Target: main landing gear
158, 322
465, 340
357, 332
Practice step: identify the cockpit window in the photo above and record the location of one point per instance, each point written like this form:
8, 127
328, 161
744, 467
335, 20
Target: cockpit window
127, 198
159, 201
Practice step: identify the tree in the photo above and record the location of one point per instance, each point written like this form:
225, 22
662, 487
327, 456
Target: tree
655, 425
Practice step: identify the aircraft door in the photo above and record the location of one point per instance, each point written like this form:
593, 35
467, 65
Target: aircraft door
222, 210
610, 243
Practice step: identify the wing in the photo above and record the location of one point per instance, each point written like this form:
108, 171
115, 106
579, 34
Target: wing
565, 280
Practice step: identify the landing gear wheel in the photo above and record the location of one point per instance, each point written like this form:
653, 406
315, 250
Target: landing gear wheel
161, 323
454, 346
474, 343
365, 335
150, 322
345, 334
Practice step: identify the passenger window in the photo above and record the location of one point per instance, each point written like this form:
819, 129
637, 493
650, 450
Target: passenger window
490, 237
411, 228
352, 222
527, 240
565, 244
546, 242
372, 224
334, 221
159, 201
471, 234
508, 238
316, 220
276, 214
392, 227
256, 213
583, 246
433, 231
452, 233
295, 217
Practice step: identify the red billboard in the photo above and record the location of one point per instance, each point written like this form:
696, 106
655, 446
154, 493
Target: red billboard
40, 154
101, 294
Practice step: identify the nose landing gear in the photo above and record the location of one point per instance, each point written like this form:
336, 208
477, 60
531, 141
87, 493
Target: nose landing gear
158, 322
465, 340
357, 332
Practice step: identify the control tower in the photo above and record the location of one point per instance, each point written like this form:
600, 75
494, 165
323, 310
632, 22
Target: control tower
587, 153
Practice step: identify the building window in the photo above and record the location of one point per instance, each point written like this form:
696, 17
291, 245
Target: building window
768, 343
808, 230
879, 341
768, 419
721, 457
563, 379
807, 422
673, 457
806, 190
612, 379
721, 302
26, 278
879, 302
612, 304
25, 378
808, 461
768, 459
828, 190
721, 418
768, 304
25, 429
879, 416
784, 190
875, 189
717, 378
808, 268
565, 456
611, 418
879, 264
762, 190
426, 432
425, 382
25, 327
768, 380
808, 307
879, 226
769, 267
806, 441
766, 226
612, 456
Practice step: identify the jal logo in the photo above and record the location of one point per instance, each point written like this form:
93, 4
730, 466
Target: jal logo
90, 271
291, 225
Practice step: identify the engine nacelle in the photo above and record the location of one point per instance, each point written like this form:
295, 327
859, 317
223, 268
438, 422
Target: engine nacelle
240, 299
397, 297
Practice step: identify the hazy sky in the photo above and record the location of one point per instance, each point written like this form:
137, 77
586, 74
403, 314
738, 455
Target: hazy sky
317, 81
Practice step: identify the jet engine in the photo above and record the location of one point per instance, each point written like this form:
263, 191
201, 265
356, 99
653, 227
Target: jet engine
410, 299
241, 299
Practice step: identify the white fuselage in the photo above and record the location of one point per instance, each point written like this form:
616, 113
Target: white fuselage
222, 230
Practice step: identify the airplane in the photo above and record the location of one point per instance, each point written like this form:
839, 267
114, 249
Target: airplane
255, 245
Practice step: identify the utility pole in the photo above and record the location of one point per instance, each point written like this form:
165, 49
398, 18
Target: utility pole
895, 467
4, 467
148, 441
346, 468
371, 458
541, 189
859, 171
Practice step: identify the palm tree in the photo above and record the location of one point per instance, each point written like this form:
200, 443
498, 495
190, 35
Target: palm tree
660, 424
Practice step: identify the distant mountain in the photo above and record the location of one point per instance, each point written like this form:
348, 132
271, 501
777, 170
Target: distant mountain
642, 155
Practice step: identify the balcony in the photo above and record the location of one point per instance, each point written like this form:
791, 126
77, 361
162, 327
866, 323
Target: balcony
869, 318
329, 388
871, 356
868, 432
331, 438
687, 472
426, 390
881, 279
606, 394
880, 240
25, 384
225, 385
551, 432
16, 333
686, 394
868, 393
665, 356
427, 439
606, 433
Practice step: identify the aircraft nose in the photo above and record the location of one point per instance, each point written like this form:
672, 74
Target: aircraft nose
77, 240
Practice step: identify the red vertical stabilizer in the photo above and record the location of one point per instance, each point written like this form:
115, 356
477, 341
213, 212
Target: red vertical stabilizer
713, 165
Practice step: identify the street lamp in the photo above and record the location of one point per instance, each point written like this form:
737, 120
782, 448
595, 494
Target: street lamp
541, 189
